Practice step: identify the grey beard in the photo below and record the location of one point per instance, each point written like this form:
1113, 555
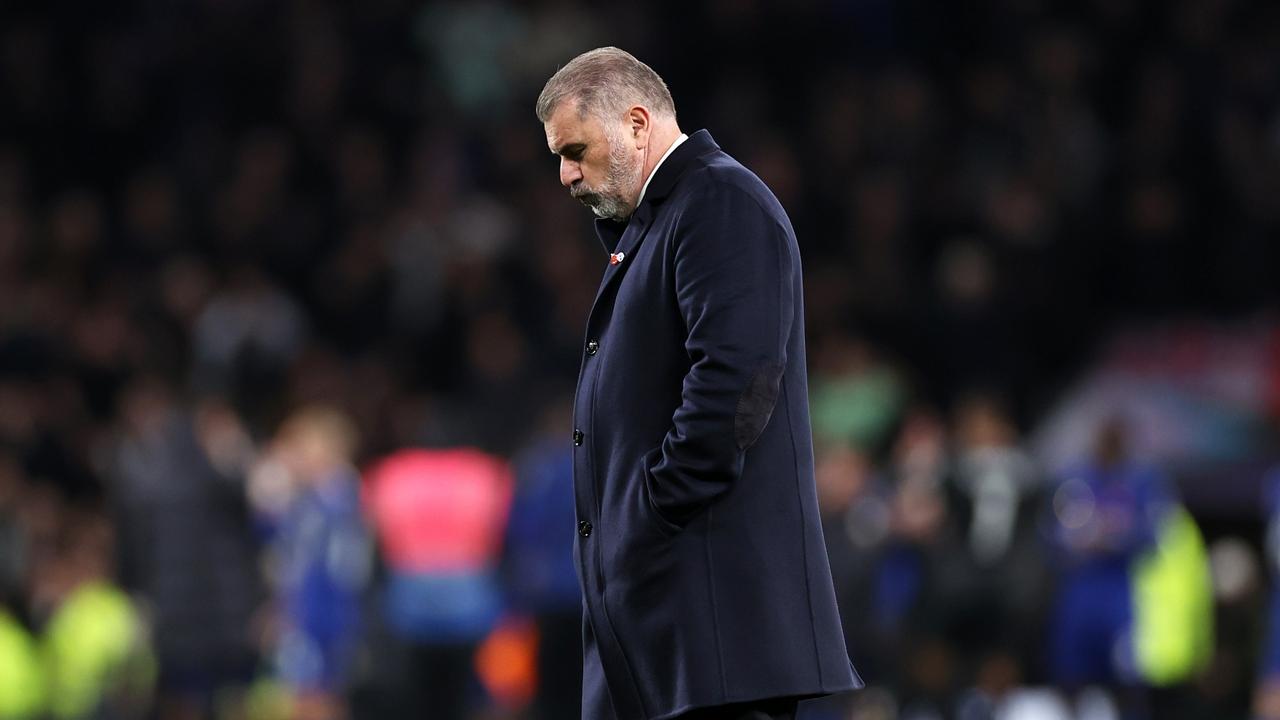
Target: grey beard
607, 202
606, 206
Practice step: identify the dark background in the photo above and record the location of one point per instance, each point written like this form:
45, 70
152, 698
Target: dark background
1056, 212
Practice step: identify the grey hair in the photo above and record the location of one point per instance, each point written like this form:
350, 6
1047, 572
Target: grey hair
605, 82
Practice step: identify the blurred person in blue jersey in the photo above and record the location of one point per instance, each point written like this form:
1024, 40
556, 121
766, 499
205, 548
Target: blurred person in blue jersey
708, 593
1106, 516
538, 564
323, 556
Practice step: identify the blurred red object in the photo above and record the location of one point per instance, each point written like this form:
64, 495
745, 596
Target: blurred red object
439, 510
507, 662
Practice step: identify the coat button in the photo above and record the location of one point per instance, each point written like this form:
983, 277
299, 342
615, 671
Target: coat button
584, 528
593, 347
577, 437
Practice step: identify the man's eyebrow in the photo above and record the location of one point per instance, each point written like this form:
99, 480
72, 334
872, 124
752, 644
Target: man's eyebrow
569, 148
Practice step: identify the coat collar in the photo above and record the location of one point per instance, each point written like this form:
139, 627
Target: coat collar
698, 144
612, 232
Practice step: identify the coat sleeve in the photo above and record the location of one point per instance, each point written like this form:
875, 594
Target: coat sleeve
734, 280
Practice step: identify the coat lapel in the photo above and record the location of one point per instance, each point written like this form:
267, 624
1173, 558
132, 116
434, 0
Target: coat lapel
623, 250
621, 240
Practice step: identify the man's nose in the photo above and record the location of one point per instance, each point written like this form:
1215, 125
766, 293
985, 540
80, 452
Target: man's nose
570, 172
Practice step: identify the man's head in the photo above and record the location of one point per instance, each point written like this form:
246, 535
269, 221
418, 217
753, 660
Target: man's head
316, 442
609, 117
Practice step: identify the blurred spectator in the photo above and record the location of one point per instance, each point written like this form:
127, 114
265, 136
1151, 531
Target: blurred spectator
22, 681
912, 606
439, 516
246, 336
323, 557
186, 544
1267, 698
1239, 622
971, 324
856, 396
538, 569
97, 652
1004, 584
1105, 514
851, 498
13, 551
912, 588
1173, 589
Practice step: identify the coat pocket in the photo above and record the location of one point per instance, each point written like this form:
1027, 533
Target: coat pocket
660, 521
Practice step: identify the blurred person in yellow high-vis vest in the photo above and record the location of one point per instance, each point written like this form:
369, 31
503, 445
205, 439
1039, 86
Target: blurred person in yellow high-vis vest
94, 647
22, 693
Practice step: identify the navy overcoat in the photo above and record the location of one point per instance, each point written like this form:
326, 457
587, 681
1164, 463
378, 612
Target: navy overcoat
699, 547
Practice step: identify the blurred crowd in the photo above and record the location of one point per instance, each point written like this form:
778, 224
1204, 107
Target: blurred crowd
291, 304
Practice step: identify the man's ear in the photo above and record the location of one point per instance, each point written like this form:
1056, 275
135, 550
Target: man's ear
639, 124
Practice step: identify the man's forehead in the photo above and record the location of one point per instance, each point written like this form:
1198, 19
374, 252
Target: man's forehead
567, 127
556, 136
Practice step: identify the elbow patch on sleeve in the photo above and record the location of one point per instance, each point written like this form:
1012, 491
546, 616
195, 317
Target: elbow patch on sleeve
755, 407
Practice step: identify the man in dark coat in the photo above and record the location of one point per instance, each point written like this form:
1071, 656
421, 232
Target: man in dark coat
706, 584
